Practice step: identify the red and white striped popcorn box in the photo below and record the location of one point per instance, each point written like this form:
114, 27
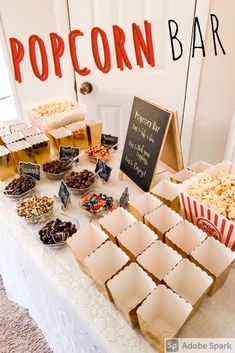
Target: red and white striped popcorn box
209, 220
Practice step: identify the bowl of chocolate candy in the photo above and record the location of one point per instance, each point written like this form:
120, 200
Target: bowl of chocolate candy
81, 182
99, 152
57, 169
54, 233
35, 208
20, 187
97, 205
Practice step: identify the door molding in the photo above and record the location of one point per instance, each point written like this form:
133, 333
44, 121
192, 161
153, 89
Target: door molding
193, 83
10, 70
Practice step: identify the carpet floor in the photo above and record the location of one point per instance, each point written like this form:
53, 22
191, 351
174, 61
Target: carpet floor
18, 332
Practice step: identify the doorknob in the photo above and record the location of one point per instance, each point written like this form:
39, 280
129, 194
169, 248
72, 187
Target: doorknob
86, 88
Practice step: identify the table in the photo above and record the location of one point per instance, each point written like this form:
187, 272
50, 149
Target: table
72, 314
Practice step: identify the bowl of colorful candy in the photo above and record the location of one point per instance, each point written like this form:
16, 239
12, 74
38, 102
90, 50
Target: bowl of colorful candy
99, 152
54, 233
35, 208
97, 205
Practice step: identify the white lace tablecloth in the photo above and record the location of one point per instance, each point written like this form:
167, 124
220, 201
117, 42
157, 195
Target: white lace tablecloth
72, 314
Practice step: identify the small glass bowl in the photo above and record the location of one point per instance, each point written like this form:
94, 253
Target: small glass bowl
99, 214
83, 191
18, 197
95, 159
36, 219
59, 176
64, 218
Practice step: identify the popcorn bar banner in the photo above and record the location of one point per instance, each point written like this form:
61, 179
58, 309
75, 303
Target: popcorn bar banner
142, 41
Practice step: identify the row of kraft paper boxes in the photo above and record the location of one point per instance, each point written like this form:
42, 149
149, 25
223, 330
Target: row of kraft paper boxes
146, 278
175, 195
21, 142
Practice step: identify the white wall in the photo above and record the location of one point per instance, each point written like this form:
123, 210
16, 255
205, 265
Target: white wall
216, 100
23, 18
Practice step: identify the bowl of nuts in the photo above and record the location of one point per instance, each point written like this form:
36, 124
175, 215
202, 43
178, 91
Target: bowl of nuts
81, 182
97, 205
54, 233
20, 187
57, 169
99, 152
35, 208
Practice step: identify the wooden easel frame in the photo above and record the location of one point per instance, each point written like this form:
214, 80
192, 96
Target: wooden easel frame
171, 132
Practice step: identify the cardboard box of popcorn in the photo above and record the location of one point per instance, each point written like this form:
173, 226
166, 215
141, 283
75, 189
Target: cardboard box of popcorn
56, 113
207, 200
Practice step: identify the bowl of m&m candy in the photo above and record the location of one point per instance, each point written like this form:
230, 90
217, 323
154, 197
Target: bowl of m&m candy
96, 205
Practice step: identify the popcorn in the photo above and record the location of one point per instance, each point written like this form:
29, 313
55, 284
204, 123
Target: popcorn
55, 107
217, 192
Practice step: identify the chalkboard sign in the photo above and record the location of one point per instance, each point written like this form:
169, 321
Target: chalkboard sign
31, 169
64, 194
69, 152
103, 170
145, 137
124, 199
109, 141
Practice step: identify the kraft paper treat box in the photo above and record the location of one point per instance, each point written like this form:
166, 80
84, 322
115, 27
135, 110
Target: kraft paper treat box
199, 166
31, 131
168, 193
162, 220
10, 138
184, 238
182, 176
158, 260
7, 164
105, 262
22, 151
94, 130
57, 120
20, 127
9, 123
190, 282
80, 136
158, 321
143, 204
87, 240
214, 258
128, 289
60, 137
41, 147
135, 239
3, 132
116, 222
209, 220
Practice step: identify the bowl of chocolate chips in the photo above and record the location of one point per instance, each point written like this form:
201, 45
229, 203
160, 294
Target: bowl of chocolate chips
54, 233
57, 169
20, 187
81, 182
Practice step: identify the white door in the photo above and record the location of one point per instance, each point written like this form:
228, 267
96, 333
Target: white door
113, 92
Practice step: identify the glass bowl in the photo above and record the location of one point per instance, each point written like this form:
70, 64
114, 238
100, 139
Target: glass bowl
83, 191
60, 244
97, 214
18, 197
103, 159
32, 217
61, 175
